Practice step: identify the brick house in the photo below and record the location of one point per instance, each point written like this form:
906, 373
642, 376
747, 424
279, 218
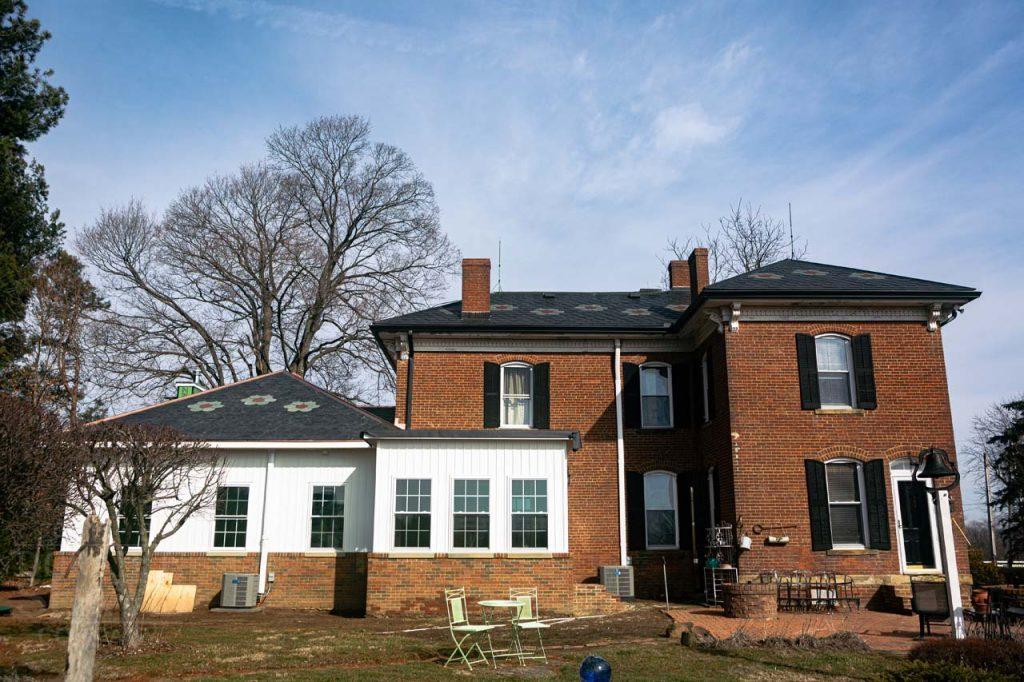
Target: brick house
539, 436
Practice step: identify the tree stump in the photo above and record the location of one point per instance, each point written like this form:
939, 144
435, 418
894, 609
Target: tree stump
87, 607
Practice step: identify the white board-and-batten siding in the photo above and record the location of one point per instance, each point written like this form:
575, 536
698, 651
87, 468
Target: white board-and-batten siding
442, 461
292, 477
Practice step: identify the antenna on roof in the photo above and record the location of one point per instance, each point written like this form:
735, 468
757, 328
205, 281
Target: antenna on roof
499, 265
792, 247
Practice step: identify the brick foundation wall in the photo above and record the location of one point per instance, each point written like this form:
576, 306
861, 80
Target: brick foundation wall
336, 583
399, 585
775, 436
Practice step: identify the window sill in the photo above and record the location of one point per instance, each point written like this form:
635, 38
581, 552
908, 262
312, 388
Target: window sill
863, 551
470, 555
529, 555
840, 410
226, 552
324, 552
411, 555
134, 551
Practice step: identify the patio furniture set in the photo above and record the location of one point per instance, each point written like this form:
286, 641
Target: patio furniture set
807, 591
1002, 619
522, 613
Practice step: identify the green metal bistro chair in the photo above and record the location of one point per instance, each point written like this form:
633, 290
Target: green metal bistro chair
528, 618
462, 630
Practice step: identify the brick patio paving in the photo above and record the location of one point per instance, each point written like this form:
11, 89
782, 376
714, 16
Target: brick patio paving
895, 632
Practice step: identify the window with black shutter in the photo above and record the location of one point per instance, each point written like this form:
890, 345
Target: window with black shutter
542, 395
817, 504
807, 364
492, 395
864, 372
847, 504
635, 511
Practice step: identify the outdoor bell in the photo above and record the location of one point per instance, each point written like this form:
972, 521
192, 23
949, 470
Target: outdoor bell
933, 463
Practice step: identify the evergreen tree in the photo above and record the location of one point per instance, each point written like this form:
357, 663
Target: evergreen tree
29, 107
1008, 467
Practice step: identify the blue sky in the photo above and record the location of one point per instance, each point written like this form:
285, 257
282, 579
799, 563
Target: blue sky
583, 135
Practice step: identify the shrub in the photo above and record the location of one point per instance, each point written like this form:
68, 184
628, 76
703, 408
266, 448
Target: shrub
943, 672
1003, 656
981, 572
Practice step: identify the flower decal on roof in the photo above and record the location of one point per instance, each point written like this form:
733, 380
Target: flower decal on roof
264, 399
206, 406
546, 311
590, 307
503, 307
766, 275
637, 312
678, 307
810, 272
301, 406
867, 275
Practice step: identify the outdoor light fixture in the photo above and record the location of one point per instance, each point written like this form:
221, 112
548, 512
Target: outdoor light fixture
933, 463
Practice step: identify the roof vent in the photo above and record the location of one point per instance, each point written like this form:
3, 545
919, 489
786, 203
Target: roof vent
634, 294
547, 295
650, 291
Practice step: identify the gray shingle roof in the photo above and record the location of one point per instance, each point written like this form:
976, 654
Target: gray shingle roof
279, 406
645, 310
812, 279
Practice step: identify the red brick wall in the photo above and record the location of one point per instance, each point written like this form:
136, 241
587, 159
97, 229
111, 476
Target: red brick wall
448, 393
335, 583
775, 435
400, 585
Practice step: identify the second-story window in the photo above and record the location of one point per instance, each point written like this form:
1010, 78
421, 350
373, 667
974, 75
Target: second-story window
835, 378
655, 396
517, 395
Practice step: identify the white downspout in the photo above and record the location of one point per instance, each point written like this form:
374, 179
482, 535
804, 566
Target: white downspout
263, 523
620, 450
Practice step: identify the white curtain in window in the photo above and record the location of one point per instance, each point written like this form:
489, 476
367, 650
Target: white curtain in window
517, 395
833, 369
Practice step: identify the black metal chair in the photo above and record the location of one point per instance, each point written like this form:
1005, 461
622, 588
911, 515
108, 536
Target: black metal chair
929, 600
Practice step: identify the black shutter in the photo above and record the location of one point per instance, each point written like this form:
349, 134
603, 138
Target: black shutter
696, 392
807, 361
635, 525
683, 482
631, 395
817, 503
864, 372
700, 507
542, 395
711, 385
878, 510
492, 395
716, 496
681, 410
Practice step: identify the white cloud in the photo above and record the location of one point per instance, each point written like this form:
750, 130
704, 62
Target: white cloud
686, 126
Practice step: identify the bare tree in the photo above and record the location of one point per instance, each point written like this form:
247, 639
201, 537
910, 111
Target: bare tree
38, 459
282, 265
147, 482
993, 421
744, 240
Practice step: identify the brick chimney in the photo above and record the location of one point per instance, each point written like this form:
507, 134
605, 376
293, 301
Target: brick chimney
476, 287
698, 262
678, 274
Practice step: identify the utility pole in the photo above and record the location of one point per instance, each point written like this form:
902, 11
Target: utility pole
988, 508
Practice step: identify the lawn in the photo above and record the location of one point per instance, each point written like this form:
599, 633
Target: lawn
293, 645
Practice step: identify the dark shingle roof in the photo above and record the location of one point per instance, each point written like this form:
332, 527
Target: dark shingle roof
804, 278
279, 406
644, 310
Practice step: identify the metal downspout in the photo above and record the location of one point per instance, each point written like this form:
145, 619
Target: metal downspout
263, 524
620, 451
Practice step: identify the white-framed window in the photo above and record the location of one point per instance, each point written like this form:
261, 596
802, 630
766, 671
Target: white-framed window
656, 395
835, 370
231, 519
128, 531
412, 512
847, 512
517, 395
660, 510
471, 513
327, 517
529, 514
705, 384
